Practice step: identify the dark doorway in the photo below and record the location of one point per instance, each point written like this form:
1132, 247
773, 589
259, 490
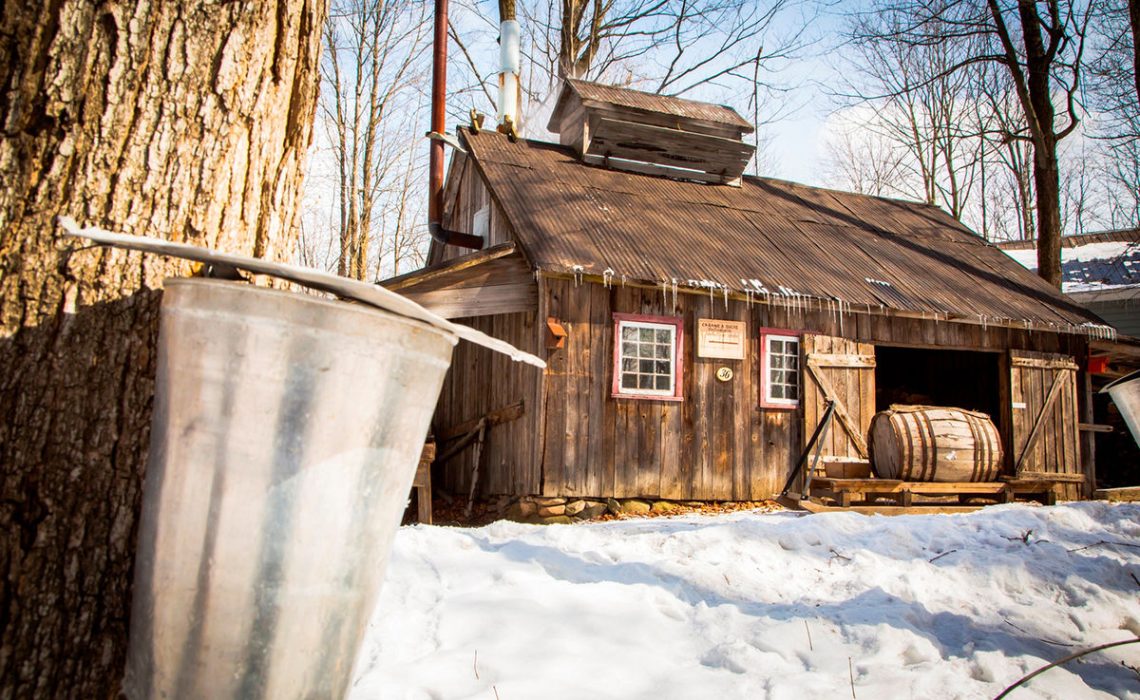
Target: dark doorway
1117, 455
957, 378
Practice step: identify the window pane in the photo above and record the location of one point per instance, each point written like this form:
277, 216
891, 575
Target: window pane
663, 335
777, 361
791, 362
629, 349
662, 368
777, 346
645, 366
777, 391
646, 335
644, 381
629, 381
629, 364
662, 351
628, 333
663, 383
792, 392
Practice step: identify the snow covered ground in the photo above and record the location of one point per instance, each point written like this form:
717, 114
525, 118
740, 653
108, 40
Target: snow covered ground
756, 605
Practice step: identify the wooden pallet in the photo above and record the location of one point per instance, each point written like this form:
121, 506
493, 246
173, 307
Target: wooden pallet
864, 492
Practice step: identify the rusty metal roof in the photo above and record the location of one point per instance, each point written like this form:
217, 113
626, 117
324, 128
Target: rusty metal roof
769, 238
650, 102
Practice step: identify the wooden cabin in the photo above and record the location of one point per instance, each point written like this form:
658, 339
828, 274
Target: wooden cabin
696, 321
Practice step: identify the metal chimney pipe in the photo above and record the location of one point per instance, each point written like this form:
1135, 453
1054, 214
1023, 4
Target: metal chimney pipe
439, 126
508, 73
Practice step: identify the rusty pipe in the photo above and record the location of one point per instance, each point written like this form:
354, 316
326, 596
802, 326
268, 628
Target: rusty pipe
438, 125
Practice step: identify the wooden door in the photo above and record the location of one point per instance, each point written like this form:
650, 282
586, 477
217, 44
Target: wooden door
1043, 417
844, 371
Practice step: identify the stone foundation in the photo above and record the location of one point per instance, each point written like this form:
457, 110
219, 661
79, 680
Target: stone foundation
545, 510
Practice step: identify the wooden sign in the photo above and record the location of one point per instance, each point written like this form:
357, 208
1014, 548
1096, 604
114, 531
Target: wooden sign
720, 339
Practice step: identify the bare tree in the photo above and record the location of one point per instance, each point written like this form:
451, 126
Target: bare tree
373, 58
862, 160
1114, 71
183, 120
921, 105
1041, 46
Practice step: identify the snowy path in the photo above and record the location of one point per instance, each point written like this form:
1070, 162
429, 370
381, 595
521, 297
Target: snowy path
929, 606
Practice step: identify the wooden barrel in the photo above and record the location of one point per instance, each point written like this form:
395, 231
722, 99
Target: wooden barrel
932, 443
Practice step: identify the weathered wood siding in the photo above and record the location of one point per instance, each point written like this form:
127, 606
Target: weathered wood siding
463, 196
718, 443
479, 382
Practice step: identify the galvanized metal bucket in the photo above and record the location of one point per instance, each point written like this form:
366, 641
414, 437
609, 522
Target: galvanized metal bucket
1125, 393
286, 432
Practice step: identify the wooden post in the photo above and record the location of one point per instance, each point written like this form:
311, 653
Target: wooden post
1088, 437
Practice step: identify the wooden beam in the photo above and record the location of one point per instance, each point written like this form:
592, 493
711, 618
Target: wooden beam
1065, 477
844, 361
496, 417
449, 267
1043, 364
1094, 428
467, 302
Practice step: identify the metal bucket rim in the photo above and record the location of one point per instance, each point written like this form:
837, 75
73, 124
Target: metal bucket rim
337, 304
1120, 382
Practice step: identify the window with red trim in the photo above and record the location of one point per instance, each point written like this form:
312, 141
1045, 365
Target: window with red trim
647, 357
779, 368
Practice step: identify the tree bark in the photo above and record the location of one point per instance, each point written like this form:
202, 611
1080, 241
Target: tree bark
175, 119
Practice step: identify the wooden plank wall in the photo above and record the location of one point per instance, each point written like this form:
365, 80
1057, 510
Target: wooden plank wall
464, 195
479, 382
716, 444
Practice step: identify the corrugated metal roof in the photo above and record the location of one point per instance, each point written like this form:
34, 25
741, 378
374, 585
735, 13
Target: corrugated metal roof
768, 238
650, 102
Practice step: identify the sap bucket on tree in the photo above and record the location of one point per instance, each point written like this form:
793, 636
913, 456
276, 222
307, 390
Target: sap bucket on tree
285, 436
1125, 393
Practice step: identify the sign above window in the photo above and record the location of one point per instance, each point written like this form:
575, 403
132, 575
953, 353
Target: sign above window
720, 339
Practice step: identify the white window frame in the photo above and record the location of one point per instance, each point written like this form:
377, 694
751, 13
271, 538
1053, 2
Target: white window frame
654, 323
766, 399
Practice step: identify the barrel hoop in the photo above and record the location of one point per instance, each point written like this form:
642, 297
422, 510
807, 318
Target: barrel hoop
933, 475
976, 471
905, 460
984, 436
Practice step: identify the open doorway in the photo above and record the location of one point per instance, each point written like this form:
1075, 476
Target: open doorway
958, 378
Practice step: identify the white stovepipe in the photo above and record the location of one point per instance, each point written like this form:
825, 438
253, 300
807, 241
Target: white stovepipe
508, 72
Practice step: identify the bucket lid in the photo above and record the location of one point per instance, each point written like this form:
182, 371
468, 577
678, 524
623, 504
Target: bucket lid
371, 294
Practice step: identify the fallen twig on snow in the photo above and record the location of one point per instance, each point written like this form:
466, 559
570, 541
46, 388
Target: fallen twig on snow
475, 664
1042, 639
851, 675
1058, 662
1104, 543
949, 551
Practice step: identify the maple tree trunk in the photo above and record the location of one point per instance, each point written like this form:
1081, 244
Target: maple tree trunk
1047, 183
175, 119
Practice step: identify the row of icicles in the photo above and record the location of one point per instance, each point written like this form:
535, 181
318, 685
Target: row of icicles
755, 292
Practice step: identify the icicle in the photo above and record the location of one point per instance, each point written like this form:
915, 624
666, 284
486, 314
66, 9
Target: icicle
726, 297
674, 292
578, 270
623, 281
608, 277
